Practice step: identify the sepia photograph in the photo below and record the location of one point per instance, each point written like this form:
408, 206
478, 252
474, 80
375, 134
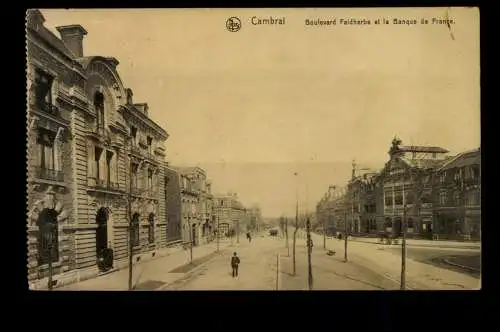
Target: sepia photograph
273, 149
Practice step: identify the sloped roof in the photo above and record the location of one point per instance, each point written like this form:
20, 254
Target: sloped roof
423, 163
467, 158
36, 18
427, 149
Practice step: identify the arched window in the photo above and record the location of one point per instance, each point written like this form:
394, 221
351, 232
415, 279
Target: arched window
410, 223
99, 109
135, 230
151, 228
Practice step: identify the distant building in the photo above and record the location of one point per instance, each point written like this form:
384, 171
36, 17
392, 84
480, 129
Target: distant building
173, 204
441, 195
196, 205
457, 210
254, 218
230, 213
407, 181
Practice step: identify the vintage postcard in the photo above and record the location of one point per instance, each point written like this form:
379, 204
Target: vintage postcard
253, 149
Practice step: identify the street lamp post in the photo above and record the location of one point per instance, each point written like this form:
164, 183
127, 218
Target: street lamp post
190, 228
286, 233
237, 231
218, 235
309, 249
49, 236
345, 233
130, 222
324, 228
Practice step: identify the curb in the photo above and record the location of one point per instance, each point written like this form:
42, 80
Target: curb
468, 268
426, 245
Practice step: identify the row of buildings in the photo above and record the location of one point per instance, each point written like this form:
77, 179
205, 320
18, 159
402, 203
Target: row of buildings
439, 196
98, 179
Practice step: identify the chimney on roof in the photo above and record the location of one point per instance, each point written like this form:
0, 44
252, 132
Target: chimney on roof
72, 37
34, 19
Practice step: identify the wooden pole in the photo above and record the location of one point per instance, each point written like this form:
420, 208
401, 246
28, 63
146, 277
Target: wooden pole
277, 270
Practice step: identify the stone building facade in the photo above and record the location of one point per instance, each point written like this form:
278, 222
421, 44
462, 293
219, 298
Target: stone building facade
93, 157
173, 204
457, 196
437, 195
230, 214
196, 205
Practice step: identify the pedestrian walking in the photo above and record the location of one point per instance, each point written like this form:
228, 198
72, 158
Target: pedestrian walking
235, 262
249, 237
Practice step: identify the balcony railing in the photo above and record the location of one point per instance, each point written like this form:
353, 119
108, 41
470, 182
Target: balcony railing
49, 174
103, 184
47, 108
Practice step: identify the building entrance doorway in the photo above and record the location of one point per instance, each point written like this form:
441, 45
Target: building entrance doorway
103, 253
397, 227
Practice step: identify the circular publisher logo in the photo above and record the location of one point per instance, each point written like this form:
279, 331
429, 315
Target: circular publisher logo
233, 24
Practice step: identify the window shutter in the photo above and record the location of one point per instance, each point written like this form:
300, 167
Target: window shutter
114, 169
37, 154
102, 165
49, 157
90, 160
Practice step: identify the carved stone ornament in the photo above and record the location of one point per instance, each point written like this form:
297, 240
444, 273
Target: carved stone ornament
50, 201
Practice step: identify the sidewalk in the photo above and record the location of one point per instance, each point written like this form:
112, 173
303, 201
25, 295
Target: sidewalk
419, 276
149, 275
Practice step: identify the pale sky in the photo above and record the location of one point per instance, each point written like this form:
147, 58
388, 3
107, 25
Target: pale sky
254, 106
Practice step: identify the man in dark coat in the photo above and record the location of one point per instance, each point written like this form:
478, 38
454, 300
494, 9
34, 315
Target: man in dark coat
235, 262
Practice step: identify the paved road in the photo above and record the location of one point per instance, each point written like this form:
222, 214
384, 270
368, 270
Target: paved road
330, 273
438, 257
258, 271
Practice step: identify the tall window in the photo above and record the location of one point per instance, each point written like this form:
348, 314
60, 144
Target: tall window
98, 168
45, 149
388, 200
135, 235
43, 90
150, 144
398, 200
109, 168
150, 180
151, 228
133, 133
134, 176
99, 109
443, 198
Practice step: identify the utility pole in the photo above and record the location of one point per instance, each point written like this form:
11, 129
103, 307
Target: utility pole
286, 233
324, 228
403, 239
238, 231
309, 249
218, 235
50, 235
345, 233
191, 239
